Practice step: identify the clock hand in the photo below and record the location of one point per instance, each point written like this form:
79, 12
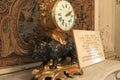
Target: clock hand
63, 22
68, 13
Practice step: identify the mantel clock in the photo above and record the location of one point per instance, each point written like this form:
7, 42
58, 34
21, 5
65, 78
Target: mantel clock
63, 15
57, 15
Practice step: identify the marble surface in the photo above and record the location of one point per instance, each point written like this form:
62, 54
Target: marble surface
99, 71
104, 70
22, 75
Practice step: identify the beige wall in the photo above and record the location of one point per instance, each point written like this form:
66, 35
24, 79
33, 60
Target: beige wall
105, 12
107, 22
117, 29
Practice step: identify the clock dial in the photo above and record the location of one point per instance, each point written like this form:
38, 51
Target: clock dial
64, 15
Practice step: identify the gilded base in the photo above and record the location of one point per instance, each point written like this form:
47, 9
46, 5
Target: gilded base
61, 73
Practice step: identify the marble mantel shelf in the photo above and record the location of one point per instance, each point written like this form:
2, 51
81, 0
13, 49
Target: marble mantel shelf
13, 69
99, 71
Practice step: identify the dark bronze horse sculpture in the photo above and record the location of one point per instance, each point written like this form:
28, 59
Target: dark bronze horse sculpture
48, 49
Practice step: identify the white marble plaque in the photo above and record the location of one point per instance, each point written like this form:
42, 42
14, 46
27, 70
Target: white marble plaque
89, 47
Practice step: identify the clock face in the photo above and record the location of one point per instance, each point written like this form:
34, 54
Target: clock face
64, 15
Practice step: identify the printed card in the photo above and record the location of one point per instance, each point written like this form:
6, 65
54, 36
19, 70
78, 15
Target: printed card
89, 47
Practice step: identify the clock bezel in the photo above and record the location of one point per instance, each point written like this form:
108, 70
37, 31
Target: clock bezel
53, 16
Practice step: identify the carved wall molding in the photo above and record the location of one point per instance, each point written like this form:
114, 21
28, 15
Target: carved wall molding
107, 26
11, 42
9, 35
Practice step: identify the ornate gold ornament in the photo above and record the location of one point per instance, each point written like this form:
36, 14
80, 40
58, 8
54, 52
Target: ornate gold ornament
61, 73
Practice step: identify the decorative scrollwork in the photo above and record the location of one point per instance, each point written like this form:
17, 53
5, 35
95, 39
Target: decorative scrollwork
3, 7
116, 75
5, 37
19, 26
17, 21
61, 73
